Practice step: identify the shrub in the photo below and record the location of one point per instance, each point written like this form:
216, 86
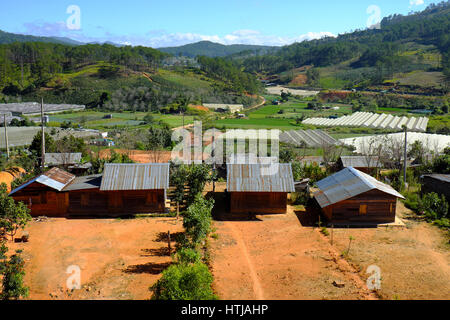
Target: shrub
13, 273
187, 256
184, 282
434, 207
413, 201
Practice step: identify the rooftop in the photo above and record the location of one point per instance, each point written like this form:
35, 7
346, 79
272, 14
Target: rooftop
347, 184
360, 161
145, 176
55, 178
260, 178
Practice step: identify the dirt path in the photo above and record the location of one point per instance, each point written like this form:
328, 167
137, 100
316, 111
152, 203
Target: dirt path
256, 284
273, 257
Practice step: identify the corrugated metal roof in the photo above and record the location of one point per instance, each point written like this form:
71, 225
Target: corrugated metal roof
347, 184
54, 178
62, 158
145, 176
360, 162
85, 183
441, 177
260, 178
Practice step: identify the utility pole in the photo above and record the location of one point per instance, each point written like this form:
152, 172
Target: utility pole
405, 156
43, 136
6, 136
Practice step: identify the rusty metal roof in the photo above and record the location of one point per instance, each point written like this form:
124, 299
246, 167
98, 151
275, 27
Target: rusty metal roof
347, 184
54, 178
136, 176
275, 177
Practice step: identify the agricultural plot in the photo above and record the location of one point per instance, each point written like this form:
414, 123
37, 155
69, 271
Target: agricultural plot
434, 142
310, 138
372, 120
23, 136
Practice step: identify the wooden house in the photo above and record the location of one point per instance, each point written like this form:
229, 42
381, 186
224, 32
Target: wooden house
43, 194
259, 188
351, 196
123, 189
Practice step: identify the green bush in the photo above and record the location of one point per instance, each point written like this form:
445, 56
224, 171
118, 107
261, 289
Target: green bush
184, 282
413, 201
434, 207
187, 256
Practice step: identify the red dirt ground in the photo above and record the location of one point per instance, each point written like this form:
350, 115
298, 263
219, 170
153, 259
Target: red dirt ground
275, 257
119, 259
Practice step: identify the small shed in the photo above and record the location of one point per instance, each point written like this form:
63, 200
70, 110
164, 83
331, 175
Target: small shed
438, 183
365, 164
43, 193
351, 196
259, 188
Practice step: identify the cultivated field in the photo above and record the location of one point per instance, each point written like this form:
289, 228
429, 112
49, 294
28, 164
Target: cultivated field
119, 259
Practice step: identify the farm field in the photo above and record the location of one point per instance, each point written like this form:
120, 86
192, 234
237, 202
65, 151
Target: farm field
282, 257
96, 120
283, 117
119, 259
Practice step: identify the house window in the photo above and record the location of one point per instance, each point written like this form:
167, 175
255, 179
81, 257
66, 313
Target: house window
363, 209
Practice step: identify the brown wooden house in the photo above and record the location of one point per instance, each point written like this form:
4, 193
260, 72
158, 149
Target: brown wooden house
123, 189
259, 188
351, 196
43, 194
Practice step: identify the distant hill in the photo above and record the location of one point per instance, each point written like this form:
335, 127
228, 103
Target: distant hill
212, 49
6, 38
407, 51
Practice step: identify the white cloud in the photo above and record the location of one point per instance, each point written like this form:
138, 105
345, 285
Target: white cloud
237, 37
161, 38
416, 2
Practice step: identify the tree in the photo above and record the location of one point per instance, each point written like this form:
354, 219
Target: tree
178, 178
159, 138
197, 177
331, 154
36, 144
13, 216
13, 272
197, 219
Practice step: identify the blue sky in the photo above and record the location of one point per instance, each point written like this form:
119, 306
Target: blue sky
177, 22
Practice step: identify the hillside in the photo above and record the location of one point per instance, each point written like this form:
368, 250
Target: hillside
116, 78
7, 38
211, 49
404, 52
